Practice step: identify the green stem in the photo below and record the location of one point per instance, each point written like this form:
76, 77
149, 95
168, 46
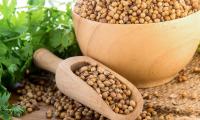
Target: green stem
11, 39
14, 38
23, 7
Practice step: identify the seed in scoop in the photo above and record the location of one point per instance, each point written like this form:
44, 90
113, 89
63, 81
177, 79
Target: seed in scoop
116, 94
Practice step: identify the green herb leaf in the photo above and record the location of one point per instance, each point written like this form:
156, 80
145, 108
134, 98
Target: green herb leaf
7, 110
19, 22
5, 115
4, 98
7, 8
23, 32
17, 110
3, 49
36, 2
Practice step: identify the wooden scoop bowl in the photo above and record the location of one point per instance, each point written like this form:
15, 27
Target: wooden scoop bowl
72, 86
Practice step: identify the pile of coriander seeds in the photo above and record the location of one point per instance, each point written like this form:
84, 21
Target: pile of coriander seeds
33, 95
116, 94
135, 11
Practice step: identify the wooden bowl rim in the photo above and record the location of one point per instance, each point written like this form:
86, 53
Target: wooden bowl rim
160, 23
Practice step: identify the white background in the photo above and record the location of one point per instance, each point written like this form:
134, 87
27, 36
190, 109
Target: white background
58, 3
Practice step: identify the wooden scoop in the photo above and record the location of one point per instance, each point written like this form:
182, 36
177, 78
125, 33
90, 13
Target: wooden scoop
71, 85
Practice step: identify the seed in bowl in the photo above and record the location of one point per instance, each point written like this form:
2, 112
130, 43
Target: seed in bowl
116, 94
135, 11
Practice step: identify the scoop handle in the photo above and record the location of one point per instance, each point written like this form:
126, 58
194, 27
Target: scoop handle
46, 60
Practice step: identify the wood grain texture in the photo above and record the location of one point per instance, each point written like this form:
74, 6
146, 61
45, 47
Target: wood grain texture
170, 94
41, 115
146, 54
177, 87
71, 85
46, 60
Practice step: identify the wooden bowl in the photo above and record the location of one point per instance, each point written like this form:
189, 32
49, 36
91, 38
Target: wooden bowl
146, 54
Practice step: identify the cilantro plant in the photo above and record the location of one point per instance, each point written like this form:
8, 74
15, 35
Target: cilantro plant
7, 110
24, 31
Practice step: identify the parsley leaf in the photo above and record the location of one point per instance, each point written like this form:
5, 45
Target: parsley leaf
23, 32
7, 110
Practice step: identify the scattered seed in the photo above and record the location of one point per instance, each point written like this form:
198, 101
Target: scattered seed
29, 109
